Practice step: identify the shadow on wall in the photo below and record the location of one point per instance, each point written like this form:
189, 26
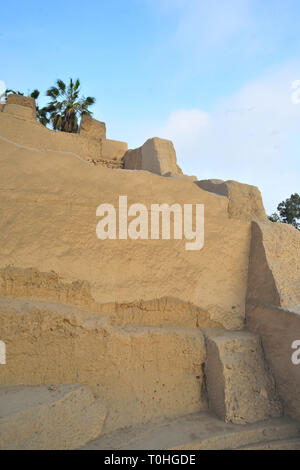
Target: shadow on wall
273, 300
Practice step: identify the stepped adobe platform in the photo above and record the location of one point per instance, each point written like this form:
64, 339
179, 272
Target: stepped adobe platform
49, 417
123, 343
202, 431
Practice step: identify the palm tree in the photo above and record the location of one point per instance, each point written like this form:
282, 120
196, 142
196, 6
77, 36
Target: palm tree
41, 113
13, 92
66, 106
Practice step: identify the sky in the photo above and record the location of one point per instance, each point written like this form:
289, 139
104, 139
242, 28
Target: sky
214, 76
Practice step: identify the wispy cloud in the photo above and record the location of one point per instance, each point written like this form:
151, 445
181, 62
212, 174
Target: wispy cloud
209, 24
202, 24
252, 136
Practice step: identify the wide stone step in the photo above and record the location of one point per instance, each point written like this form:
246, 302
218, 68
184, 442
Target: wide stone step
198, 431
131, 367
49, 417
240, 386
283, 444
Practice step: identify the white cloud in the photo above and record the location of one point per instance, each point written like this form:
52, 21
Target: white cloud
209, 24
251, 26
185, 127
252, 136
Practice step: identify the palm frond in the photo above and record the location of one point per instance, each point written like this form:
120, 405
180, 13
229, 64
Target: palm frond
90, 100
53, 92
61, 85
66, 106
35, 94
77, 84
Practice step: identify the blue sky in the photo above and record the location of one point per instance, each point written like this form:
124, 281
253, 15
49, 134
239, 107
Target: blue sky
214, 76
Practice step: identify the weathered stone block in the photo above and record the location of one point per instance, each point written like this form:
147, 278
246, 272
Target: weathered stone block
21, 112
245, 201
240, 387
64, 409
156, 155
274, 268
21, 100
113, 149
20, 106
91, 128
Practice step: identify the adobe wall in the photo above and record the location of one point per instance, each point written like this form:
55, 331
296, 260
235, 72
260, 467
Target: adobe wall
18, 124
273, 303
245, 201
132, 369
274, 269
126, 316
278, 329
114, 149
28, 133
20, 112
69, 191
155, 155
20, 100
91, 128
